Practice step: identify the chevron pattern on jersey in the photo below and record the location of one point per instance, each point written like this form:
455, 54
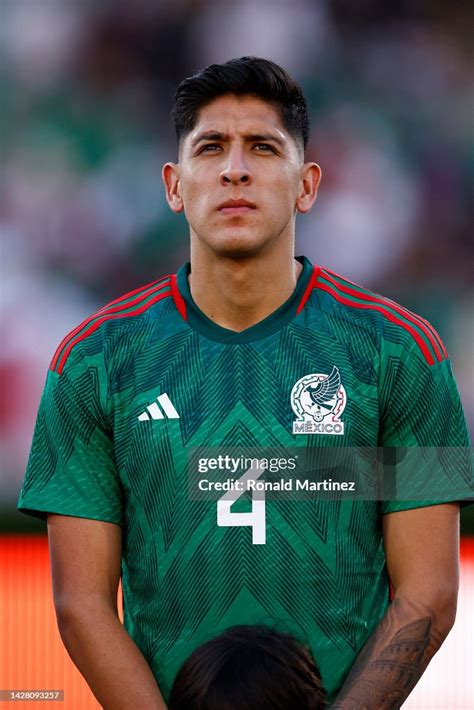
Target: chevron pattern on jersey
354, 296
414, 425
132, 304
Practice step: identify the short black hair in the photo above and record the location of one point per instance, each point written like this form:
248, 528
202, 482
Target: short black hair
249, 667
244, 76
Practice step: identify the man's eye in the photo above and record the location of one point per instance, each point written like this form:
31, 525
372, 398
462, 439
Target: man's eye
264, 148
209, 148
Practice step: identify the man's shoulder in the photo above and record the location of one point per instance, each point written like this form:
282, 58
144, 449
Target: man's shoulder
390, 323
124, 315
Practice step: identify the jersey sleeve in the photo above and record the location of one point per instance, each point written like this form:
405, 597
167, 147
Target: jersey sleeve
71, 468
422, 421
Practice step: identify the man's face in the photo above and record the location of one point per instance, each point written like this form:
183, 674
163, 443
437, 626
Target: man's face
240, 178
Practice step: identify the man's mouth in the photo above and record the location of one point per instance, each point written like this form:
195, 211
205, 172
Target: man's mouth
236, 207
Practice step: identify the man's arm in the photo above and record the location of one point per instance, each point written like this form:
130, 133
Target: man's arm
85, 561
422, 552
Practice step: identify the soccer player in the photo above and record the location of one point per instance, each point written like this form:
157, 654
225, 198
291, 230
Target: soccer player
249, 667
245, 346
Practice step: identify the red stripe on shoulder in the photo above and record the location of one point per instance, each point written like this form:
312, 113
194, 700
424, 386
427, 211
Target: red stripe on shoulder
177, 298
429, 328
311, 284
141, 293
109, 316
390, 316
159, 282
422, 323
92, 323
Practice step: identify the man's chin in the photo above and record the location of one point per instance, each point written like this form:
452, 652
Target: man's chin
237, 252
237, 246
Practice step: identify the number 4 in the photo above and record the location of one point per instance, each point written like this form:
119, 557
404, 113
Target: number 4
255, 518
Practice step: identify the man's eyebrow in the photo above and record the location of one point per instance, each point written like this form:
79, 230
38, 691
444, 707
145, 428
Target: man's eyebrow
265, 137
254, 137
208, 136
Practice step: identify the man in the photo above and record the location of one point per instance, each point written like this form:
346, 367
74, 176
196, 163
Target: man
246, 346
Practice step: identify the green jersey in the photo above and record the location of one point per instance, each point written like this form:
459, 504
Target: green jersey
149, 378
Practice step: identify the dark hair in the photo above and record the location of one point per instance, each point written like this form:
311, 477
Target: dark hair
245, 668
245, 76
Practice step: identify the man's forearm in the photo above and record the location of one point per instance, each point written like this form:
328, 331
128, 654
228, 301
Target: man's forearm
109, 660
394, 657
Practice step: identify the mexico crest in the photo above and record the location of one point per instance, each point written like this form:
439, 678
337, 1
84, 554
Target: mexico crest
318, 400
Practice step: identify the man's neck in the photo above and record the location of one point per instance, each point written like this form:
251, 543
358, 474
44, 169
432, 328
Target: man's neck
238, 293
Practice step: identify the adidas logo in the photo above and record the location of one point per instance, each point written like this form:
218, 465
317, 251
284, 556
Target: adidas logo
153, 410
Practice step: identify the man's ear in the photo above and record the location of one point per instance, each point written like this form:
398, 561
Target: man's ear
170, 176
310, 177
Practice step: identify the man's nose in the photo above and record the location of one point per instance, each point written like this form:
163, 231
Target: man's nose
236, 169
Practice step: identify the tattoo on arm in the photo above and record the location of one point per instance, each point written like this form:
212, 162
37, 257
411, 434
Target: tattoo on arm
391, 662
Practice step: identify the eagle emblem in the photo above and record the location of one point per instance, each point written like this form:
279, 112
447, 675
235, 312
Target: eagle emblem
318, 401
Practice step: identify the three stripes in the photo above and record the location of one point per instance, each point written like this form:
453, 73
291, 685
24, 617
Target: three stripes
350, 294
154, 411
131, 304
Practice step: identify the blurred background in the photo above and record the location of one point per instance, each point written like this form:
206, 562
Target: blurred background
86, 89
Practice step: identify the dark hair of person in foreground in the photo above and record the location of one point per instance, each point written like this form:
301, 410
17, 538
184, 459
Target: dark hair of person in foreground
249, 668
246, 76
